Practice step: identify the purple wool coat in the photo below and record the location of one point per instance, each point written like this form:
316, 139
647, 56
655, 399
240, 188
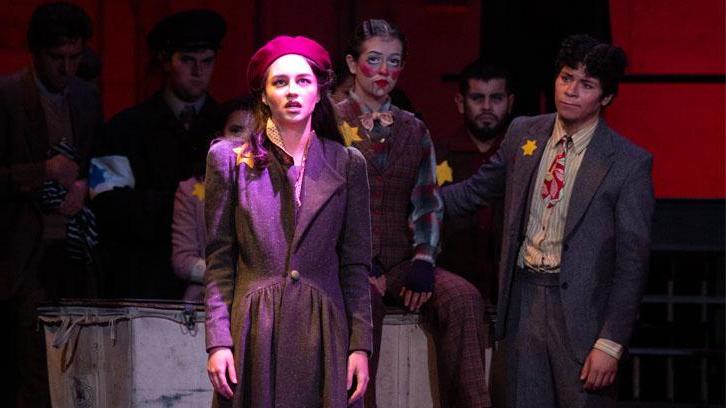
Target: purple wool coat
288, 292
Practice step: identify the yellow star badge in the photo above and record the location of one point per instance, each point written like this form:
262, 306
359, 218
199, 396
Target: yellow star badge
444, 173
350, 134
529, 147
198, 191
243, 156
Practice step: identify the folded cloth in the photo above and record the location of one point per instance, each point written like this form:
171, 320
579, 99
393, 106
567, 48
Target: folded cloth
81, 235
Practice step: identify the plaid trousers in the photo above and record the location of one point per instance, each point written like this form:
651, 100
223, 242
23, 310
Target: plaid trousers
455, 316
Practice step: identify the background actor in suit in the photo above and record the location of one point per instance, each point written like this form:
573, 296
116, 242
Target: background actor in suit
147, 150
48, 118
576, 241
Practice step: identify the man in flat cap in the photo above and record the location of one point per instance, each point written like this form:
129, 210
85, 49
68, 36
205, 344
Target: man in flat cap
147, 150
48, 118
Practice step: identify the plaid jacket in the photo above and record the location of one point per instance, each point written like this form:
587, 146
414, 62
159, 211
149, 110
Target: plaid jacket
405, 204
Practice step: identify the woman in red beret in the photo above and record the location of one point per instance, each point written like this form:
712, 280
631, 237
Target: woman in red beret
288, 318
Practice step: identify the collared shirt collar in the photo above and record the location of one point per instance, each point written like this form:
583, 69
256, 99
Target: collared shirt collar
177, 105
580, 139
385, 106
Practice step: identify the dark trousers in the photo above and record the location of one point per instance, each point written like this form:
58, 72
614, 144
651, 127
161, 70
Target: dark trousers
535, 365
455, 315
48, 276
28, 386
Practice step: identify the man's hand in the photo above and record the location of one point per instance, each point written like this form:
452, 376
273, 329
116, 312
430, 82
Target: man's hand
599, 370
220, 366
73, 202
358, 367
61, 169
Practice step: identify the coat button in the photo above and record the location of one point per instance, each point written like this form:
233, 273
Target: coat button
563, 286
295, 275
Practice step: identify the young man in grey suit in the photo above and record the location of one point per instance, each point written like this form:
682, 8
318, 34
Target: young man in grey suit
578, 203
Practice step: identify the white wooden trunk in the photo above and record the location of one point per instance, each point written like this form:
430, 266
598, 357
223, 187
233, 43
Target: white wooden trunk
407, 375
118, 355
126, 356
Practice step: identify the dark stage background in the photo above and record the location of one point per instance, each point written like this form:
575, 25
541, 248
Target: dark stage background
673, 103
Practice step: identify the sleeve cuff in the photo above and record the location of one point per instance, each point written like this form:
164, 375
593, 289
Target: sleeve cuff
425, 253
609, 347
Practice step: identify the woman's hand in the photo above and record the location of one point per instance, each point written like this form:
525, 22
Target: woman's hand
220, 365
379, 283
419, 285
358, 367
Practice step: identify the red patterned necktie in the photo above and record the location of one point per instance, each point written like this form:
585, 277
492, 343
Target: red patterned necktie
554, 180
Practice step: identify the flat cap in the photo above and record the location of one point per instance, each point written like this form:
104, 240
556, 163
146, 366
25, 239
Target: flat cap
188, 30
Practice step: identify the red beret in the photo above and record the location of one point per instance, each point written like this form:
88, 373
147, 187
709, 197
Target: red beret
283, 45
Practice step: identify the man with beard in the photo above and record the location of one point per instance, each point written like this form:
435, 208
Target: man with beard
147, 150
470, 244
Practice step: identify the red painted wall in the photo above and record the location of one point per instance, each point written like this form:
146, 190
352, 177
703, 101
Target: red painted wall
682, 124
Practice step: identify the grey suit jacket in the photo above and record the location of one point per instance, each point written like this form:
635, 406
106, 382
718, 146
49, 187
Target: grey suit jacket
606, 246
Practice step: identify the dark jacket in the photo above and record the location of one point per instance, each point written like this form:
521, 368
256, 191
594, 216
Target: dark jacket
135, 223
23, 151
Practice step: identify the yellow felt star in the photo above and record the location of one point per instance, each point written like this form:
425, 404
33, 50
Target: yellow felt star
350, 134
198, 191
444, 173
529, 147
243, 156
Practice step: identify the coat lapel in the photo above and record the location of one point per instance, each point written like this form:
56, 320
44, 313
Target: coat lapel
319, 184
36, 134
75, 114
594, 167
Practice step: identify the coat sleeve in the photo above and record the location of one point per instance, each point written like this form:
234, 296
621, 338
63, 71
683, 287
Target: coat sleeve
487, 184
187, 252
427, 208
221, 248
354, 248
633, 218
